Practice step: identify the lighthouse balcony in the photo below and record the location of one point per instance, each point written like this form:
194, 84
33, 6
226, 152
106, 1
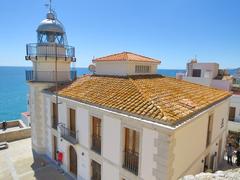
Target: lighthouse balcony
46, 50
51, 76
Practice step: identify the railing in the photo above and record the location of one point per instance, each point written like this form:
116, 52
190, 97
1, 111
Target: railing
50, 50
131, 161
50, 76
69, 135
96, 143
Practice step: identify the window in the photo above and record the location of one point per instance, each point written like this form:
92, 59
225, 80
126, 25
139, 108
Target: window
209, 132
96, 135
232, 112
142, 69
196, 73
131, 150
96, 171
72, 117
54, 116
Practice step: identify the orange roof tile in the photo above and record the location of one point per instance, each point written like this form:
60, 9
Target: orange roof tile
153, 97
126, 56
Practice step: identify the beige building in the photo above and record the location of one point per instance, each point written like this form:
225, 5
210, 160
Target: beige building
124, 121
209, 74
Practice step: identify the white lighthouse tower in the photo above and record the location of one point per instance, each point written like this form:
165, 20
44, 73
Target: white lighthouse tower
51, 57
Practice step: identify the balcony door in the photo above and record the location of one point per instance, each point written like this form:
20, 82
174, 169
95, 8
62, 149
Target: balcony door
72, 119
96, 134
54, 116
232, 111
73, 160
96, 170
55, 148
209, 132
131, 155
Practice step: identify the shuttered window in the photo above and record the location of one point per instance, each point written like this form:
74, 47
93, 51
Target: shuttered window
142, 69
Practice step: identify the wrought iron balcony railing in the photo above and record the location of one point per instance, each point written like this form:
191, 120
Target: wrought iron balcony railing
131, 161
50, 76
50, 50
96, 143
69, 135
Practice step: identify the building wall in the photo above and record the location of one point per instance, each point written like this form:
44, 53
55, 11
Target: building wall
111, 159
37, 112
190, 141
219, 84
235, 102
148, 162
111, 136
111, 68
122, 68
83, 126
209, 70
162, 155
49, 65
110, 172
44, 69
198, 80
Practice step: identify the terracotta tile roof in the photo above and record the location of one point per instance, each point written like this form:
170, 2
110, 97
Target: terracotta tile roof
126, 56
153, 97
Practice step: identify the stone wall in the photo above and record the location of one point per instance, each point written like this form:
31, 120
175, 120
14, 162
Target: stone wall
16, 130
15, 135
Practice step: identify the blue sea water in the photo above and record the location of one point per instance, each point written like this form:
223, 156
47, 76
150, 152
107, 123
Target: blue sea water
14, 89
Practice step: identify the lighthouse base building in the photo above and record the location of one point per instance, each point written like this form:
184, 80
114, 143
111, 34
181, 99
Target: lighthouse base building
134, 124
124, 122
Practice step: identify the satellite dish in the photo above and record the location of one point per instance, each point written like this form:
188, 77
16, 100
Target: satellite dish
92, 68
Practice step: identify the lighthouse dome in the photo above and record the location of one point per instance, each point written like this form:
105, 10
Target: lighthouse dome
51, 24
51, 30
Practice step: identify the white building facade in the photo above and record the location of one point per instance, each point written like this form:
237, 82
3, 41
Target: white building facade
164, 152
127, 123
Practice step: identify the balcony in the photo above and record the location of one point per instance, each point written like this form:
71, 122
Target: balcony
50, 50
131, 161
50, 76
69, 135
96, 143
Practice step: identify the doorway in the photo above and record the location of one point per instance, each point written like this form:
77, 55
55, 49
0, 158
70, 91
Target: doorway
55, 148
73, 160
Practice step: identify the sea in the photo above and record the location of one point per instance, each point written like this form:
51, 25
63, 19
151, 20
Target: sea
14, 89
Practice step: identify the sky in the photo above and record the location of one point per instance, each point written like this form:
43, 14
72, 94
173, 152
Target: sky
173, 31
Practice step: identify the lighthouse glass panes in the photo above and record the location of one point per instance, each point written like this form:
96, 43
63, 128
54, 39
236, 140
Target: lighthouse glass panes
51, 37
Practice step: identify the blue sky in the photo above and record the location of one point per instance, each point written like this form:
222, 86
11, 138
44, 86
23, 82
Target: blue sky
173, 31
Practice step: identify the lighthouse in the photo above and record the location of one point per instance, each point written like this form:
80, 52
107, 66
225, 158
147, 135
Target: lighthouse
51, 59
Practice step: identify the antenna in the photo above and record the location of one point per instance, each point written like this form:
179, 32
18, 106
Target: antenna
49, 5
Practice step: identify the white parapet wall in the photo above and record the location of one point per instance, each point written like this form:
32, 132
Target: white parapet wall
234, 126
198, 80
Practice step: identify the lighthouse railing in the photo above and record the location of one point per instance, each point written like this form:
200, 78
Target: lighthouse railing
50, 50
50, 76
